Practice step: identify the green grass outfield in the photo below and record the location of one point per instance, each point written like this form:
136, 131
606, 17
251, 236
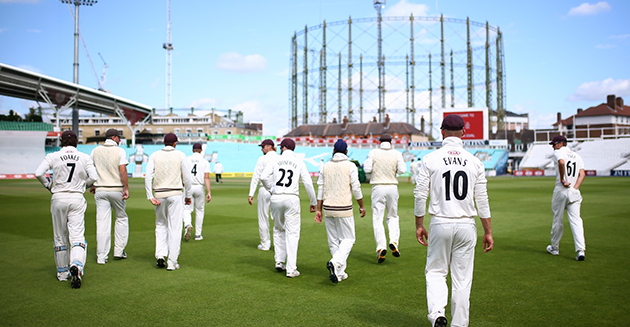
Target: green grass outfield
225, 281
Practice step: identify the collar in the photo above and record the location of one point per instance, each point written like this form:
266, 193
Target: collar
339, 157
271, 153
110, 142
168, 148
385, 145
288, 152
453, 141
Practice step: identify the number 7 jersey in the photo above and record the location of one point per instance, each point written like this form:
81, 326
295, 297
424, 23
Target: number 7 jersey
572, 164
72, 170
455, 179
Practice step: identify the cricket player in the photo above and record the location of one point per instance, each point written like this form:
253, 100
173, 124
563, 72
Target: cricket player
110, 191
566, 195
218, 170
269, 157
168, 187
282, 179
200, 176
412, 171
384, 163
72, 172
338, 181
455, 180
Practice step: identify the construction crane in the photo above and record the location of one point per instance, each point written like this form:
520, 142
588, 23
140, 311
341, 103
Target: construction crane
168, 46
101, 85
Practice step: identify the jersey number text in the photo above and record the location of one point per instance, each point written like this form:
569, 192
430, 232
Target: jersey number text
456, 191
284, 173
72, 165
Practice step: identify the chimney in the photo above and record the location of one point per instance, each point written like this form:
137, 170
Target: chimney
619, 102
386, 121
422, 124
345, 122
374, 119
334, 120
579, 111
559, 118
610, 100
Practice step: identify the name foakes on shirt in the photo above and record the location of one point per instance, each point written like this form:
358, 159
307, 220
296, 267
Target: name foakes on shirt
454, 159
73, 157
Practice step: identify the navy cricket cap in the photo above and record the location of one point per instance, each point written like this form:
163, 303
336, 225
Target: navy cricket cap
266, 142
288, 143
111, 133
453, 122
68, 134
340, 146
197, 146
170, 138
558, 139
385, 138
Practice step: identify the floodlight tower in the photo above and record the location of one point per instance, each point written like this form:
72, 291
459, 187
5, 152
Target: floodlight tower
378, 5
75, 79
168, 46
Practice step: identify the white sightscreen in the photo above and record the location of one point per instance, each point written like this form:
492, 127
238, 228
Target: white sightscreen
21, 152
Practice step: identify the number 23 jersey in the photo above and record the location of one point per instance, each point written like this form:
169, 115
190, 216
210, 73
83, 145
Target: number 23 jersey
456, 179
283, 176
572, 164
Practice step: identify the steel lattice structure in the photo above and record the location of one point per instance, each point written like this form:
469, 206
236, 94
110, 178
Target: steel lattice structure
427, 63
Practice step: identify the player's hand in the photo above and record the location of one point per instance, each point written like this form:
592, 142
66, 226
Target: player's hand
187, 201
155, 202
92, 189
208, 197
362, 211
488, 242
250, 200
566, 184
312, 209
125, 194
318, 216
422, 235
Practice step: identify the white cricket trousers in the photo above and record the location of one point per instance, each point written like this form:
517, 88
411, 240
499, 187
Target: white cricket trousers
198, 203
285, 210
68, 222
264, 199
168, 228
341, 238
451, 245
559, 202
385, 197
105, 201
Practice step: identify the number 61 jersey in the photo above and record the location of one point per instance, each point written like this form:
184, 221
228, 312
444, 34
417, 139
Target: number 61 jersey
72, 170
572, 164
456, 178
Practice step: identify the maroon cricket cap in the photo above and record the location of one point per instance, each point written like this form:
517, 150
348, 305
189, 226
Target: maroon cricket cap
170, 138
453, 122
288, 143
68, 134
197, 146
111, 133
558, 139
385, 138
266, 142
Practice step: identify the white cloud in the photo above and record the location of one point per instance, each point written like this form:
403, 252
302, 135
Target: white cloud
623, 36
598, 90
274, 118
586, 9
236, 62
404, 8
3, 30
605, 46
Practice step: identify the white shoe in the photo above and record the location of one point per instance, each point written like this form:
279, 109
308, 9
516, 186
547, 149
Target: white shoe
343, 276
293, 274
101, 262
171, 268
63, 276
580, 256
198, 238
280, 266
552, 251
263, 248
189, 230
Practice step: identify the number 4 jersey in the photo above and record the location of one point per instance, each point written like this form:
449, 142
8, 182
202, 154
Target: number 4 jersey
455, 179
572, 164
72, 170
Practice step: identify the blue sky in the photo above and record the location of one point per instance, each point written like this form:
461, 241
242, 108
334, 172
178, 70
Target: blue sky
560, 55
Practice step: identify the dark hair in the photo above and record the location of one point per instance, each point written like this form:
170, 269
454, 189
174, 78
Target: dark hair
69, 141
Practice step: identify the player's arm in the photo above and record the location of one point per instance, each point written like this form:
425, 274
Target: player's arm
580, 179
92, 175
122, 169
367, 164
253, 184
40, 173
356, 189
488, 241
148, 181
308, 185
562, 172
401, 166
421, 233
267, 177
318, 213
185, 169
206, 181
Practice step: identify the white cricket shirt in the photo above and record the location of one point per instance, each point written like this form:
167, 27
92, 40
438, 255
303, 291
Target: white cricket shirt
283, 176
572, 164
199, 166
265, 160
72, 171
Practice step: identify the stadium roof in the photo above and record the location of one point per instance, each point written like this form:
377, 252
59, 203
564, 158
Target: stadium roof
23, 84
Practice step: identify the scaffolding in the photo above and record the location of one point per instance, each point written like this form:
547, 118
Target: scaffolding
395, 73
